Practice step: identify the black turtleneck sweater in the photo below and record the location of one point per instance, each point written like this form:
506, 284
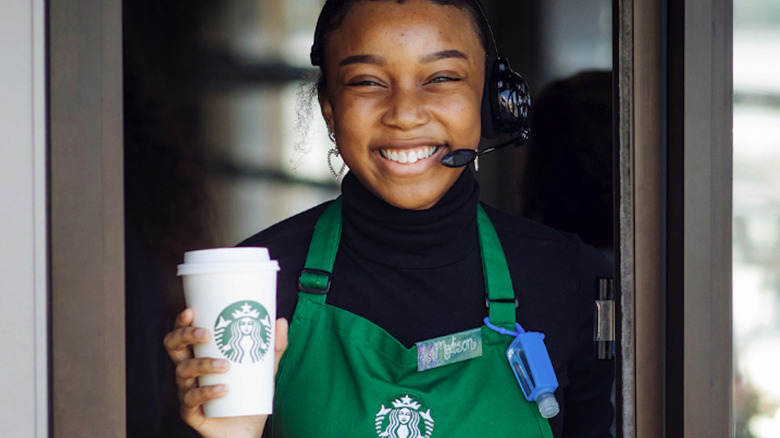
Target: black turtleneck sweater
418, 275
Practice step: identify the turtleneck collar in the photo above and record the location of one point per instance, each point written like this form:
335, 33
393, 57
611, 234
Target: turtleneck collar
384, 234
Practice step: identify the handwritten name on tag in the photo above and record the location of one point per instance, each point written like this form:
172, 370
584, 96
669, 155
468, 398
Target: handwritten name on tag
445, 350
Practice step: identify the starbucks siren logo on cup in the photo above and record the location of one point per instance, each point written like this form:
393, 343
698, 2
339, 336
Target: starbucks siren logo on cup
243, 332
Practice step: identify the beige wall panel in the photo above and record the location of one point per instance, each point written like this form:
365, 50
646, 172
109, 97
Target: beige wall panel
87, 231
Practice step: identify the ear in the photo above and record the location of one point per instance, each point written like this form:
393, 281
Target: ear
326, 109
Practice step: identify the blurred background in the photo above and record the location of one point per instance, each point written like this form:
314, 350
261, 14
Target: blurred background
756, 245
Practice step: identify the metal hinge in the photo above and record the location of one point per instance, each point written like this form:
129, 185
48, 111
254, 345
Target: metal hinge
604, 320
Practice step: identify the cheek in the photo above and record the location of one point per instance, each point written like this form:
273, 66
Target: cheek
353, 119
352, 129
463, 117
343, 113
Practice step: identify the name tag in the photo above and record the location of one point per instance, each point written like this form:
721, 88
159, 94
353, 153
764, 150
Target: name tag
449, 349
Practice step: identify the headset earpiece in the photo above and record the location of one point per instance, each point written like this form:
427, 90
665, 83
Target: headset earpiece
506, 98
505, 103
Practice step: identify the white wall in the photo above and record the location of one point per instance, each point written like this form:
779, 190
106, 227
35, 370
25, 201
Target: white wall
23, 273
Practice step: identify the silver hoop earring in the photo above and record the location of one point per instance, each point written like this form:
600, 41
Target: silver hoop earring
331, 153
332, 136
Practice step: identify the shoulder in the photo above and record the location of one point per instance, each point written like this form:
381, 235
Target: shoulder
290, 237
520, 235
294, 228
546, 250
555, 274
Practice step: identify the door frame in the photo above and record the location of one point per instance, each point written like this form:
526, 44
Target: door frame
674, 173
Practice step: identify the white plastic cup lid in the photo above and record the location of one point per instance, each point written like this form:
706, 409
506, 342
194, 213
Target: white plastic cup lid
227, 255
227, 259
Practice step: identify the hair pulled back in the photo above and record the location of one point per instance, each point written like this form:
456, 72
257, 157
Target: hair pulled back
334, 12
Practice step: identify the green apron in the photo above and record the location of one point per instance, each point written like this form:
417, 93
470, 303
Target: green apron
344, 376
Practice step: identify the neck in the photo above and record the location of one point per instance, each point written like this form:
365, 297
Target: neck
429, 238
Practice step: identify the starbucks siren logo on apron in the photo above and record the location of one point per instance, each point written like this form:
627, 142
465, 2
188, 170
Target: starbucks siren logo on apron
243, 332
404, 417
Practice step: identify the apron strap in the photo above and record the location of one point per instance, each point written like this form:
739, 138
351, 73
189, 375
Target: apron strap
500, 300
314, 282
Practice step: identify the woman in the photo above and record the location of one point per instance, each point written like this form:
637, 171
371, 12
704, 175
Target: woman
416, 256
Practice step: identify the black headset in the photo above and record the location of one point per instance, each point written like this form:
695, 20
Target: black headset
506, 99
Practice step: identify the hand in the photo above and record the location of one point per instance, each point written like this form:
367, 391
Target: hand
192, 396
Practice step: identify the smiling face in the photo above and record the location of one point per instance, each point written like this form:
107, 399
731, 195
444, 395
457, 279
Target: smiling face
403, 89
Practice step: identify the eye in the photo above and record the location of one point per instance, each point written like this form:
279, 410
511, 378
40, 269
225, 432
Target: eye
363, 83
443, 78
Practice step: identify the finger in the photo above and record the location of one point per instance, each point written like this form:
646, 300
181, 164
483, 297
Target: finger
282, 327
188, 371
173, 340
179, 342
185, 318
192, 402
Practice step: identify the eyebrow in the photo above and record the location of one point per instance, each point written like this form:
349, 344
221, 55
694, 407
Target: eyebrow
362, 59
443, 55
378, 60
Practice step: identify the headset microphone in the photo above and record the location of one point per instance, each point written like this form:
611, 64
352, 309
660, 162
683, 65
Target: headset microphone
462, 157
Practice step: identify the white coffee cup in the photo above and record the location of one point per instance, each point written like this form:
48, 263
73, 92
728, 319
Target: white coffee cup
232, 292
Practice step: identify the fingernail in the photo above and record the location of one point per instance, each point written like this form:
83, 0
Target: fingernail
220, 363
220, 388
199, 333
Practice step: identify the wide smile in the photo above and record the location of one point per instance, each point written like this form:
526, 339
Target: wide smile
408, 156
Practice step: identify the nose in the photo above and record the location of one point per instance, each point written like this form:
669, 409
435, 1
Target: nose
406, 108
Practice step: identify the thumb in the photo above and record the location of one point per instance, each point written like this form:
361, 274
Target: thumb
281, 341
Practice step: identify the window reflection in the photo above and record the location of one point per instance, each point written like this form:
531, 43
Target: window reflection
261, 124
756, 234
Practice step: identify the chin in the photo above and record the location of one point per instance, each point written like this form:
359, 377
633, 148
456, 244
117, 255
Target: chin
420, 193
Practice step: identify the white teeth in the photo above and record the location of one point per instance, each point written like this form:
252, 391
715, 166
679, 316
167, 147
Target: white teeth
412, 156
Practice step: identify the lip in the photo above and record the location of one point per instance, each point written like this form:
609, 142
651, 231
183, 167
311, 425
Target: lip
407, 169
407, 143
408, 156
